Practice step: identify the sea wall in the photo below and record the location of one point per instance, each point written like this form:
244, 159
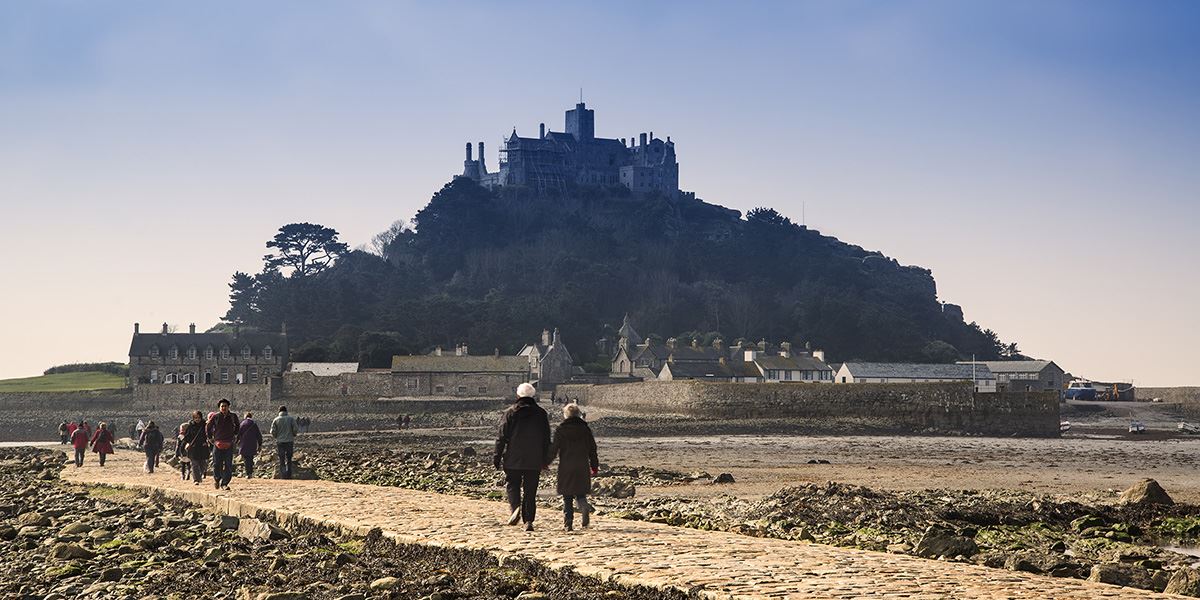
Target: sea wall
950, 408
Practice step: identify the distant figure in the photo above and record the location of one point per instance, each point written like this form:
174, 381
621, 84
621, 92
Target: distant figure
86, 428
151, 442
407, 422
79, 439
575, 447
64, 433
223, 431
102, 442
185, 463
195, 445
137, 432
399, 421
284, 430
249, 443
523, 450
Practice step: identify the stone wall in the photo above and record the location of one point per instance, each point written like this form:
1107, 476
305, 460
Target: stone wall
360, 385
897, 408
1189, 396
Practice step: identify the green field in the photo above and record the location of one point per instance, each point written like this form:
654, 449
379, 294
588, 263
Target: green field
63, 382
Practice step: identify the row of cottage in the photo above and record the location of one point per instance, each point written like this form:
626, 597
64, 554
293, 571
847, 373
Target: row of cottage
238, 357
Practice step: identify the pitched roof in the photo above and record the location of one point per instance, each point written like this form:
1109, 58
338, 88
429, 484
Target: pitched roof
691, 353
655, 350
699, 370
1013, 366
460, 364
324, 369
143, 342
791, 363
917, 371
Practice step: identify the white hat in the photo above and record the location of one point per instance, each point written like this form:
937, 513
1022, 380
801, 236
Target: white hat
526, 390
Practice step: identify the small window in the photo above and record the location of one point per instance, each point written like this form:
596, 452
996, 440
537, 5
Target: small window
268, 353
240, 378
462, 389
154, 351
413, 382
208, 353
254, 374
439, 389
192, 353
224, 374
245, 351
173, 352
170, 378
154, 376
483, 389
224, 351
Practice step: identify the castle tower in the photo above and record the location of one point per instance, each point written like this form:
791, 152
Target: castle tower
471, 167
581, 122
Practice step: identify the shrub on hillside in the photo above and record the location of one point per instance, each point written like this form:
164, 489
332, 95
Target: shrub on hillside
115, 368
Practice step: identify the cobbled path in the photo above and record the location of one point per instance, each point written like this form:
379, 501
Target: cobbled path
720, 565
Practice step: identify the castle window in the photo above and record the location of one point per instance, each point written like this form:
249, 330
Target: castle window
208, 353
267, 352
192, 353
153, 351
245, 351
224, 351
173, 352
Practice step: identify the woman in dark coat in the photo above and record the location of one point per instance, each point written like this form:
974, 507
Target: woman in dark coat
151, 442
102, 442
195, 444
575, 447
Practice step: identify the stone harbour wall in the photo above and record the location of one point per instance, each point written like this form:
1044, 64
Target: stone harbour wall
950, 408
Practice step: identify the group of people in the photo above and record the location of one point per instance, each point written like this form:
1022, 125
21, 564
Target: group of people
81, 437
525, 447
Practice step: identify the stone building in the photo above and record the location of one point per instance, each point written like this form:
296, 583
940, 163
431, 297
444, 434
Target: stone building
863, 372
553, 159
1025, 375
459, 375
550, 362
206, 358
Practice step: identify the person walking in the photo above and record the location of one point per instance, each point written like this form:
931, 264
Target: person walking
195, 444
522, 451
249, 443
151, 442
284, 430
575, 447
185, 463
63, 433
79, 440
222, 432
137, 432
86, 428
102, 442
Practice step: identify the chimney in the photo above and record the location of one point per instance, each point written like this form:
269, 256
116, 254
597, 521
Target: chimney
468, 150
750, 354
652, 136
192, 329
546, 341
719, 344
762, 345
785, 349
541, 131
458, 350
724, 361
283, 328
819, 355
496, 353
164, 329
556, 340
696, 343
482, 168
624, 142
671, 343
437, 351
137, 328
643, 140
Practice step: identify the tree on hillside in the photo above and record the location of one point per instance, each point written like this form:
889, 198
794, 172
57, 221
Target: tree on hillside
305, 248
243, 298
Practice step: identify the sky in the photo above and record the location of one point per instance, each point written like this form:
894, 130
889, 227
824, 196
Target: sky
1041, 158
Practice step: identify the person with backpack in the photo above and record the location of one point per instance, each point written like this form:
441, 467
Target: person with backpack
195, 445
102, 442
223, 433
151, 442
575, 447
284, 430
522, 451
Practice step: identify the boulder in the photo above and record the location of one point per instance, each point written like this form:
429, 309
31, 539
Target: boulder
282, 596
75, 528
8, 533
1146, 491
1119, 574
253, 529
613, 487
226, 522
70, 552
384, 583
724, 478
113, 574
36, 519
1185, 582
940, 542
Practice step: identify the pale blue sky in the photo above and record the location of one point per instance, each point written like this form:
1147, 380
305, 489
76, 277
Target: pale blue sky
1042, 158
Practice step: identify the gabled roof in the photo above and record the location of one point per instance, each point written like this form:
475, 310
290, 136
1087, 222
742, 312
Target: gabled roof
1013, 366
791, 363
693, 354
460, 364
143, 342
917, 371
323, 369
699, 370
654, 350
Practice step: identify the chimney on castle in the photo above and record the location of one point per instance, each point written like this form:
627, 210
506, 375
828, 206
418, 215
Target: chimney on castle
192, 328
482, 168
541, 131
643, 140
468, 150
137, 328
652, 136
624, 143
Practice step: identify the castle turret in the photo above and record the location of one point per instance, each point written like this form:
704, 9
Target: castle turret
482, 165
581, 122
471, 168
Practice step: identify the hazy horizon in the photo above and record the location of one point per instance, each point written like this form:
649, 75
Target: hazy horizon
1041, 159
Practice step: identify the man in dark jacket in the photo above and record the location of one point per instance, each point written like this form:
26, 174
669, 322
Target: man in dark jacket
249, 442
223, 431
522, 450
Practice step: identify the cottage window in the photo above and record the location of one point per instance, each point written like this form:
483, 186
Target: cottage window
439, 389
412, 383
254, 374
173, 352
240, 378
154, 351
267, 353
462, 389
154, 376
245, 351
224, 374
170, 378
208, 353
224, 351
483, 389
192, 353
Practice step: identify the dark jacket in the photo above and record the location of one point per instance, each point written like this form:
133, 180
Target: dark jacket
249, 438
524, 440
575, 448
223, 427
152, 440
195, 441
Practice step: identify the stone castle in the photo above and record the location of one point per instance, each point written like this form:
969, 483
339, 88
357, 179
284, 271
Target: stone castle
554, 159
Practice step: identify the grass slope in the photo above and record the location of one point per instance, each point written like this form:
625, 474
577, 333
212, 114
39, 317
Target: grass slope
63, 382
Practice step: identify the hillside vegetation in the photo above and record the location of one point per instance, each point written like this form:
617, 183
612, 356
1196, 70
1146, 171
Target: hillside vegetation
492, 269
65, 382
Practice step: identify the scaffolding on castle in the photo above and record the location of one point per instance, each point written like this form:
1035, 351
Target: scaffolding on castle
539, 175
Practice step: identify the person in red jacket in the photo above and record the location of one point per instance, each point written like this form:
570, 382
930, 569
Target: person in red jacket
79, 440
102, 442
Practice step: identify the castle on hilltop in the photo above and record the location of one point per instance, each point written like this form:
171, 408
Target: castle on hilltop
553, 159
